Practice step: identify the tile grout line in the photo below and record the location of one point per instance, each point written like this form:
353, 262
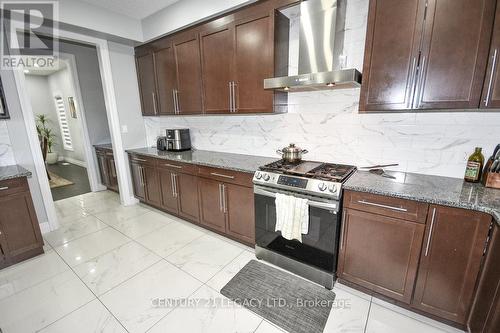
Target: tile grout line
368, 316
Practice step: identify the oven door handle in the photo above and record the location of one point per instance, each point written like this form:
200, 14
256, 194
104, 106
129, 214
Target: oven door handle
317, 204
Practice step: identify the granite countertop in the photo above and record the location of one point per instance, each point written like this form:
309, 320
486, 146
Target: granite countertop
230, 161
104, 146
444, 191
13, 171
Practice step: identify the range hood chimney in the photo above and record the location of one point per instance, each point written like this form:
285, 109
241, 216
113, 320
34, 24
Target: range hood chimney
320, 50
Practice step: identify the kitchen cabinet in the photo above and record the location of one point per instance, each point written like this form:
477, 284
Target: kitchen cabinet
20, 236
179, 190
426, 54
107, 168
145, 180
212, 206
485, 314
240, 212
491, 88
236, 58
151, 185
147, 83
380, 253
166, 78
450, 262
188, 62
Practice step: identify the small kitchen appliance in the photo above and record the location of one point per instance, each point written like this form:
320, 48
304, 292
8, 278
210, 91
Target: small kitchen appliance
178, 139
315, 257
161, 143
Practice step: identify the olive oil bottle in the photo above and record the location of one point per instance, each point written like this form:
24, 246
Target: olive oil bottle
474, 166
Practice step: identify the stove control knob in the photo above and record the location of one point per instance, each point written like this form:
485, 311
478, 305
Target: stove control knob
258, 175
266, 177
332, 188
322, 186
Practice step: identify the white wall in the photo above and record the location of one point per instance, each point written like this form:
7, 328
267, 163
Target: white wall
185, 12
6, 153
328, 124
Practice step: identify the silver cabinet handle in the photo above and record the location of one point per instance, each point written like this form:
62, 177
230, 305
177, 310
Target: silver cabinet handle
174, 102
492, 74
172, 166
411, 79
224, 199
234, 97
430, 232
421, 82
4, 188
177, 106
154, 102
220, 198
138, 159
172, 184
230, 96
342, 230
175, 186
221, 175
399, 209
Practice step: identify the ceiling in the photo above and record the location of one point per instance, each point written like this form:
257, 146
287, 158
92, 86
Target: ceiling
137, 9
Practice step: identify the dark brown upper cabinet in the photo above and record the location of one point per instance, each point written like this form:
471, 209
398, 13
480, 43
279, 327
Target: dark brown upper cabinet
491, 89
187, 59
426, 54
147, 83
166, 79
236, 58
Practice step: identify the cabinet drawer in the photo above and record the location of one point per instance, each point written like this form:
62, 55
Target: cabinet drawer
177, 167
388, 206
227, 176
141, 159
15, 185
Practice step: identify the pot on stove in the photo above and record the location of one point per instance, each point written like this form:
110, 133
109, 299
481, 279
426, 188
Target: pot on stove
292, 153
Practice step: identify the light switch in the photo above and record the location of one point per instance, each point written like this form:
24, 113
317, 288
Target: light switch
124, 129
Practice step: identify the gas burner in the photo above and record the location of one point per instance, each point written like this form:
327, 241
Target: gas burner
332, 172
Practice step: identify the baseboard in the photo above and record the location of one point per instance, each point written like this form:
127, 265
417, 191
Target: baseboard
45, 227
75, 162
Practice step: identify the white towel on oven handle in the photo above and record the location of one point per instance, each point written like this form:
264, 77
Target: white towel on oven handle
292, 216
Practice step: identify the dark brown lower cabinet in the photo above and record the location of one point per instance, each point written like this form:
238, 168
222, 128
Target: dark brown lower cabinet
20, 236
240, 212
137, 174
187, 192
212, 204
485, 314
380, 253
151, 185
169, 198
450, 262
107, 168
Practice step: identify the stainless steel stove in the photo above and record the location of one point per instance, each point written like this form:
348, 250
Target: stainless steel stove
320, 183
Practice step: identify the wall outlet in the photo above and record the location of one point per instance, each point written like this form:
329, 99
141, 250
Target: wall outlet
124, 129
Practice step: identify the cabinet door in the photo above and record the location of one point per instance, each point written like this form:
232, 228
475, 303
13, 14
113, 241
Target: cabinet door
3, 260
454, 53
380, 253
211, 201
137, 175
187, 192
113, 178
217, 62
491, 89
169, 197
187, 58
147, 85
450, 261
240, 212
254, 62
152, 185
103, 169
18, 225
391, 54
166, 78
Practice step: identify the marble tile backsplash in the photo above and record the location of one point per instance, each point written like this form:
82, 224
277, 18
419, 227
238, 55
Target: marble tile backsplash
328, 124
6, 154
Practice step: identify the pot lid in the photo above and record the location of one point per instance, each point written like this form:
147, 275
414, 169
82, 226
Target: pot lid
292, 149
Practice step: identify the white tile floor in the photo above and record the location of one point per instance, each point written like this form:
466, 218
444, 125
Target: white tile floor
106, 265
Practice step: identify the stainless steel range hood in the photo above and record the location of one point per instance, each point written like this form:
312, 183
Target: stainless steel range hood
320, 50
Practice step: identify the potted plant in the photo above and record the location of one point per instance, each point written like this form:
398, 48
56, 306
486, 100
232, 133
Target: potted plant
47, 139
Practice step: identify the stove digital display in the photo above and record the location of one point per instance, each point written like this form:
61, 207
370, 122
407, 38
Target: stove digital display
292, 181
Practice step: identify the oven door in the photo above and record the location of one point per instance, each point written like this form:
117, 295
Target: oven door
318, 248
